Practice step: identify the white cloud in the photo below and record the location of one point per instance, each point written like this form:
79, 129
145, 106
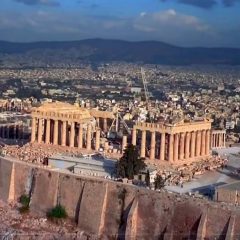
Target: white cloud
170, 18
169, 26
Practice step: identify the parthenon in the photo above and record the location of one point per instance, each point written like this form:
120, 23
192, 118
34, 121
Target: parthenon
174, 142
71, 126
67, 125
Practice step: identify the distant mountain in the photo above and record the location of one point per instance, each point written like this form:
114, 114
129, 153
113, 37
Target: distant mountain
99, 50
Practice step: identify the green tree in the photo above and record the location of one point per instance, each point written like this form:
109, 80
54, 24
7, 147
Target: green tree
130, 163
159, 182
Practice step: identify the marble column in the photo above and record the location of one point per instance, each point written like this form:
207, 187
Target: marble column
15, 131
182, 145
134, 136
80, 137
8, 132
170, 148
198, 144
40, 130
97, 146
64, 133
220, 140
4, 131
72, 134
224, 140
153, 145
98, 122
176, 145
124, 143
143, 144
89, 135
203, 143
212, 140
105, 125
47, 140
207, 148
162, 147
216, 140
187, 146
55, 133
193, 144
33, 133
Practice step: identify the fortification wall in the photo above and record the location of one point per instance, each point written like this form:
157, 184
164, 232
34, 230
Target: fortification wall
112, 210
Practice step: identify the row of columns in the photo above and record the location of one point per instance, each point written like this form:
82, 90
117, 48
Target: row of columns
218, 139
174, 147
11, 131
57, 132
102, 123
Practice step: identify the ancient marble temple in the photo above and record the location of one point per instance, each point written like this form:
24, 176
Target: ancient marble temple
66, 125
71, 126
185, 141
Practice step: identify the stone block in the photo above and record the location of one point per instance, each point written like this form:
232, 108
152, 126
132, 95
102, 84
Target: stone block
45, 191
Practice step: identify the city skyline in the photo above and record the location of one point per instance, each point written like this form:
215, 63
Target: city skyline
210, 23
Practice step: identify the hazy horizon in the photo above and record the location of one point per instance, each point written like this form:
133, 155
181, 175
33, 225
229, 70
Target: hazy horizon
187, 23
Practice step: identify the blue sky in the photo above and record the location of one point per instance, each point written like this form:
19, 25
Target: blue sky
180, 22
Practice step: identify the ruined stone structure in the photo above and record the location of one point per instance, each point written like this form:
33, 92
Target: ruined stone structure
10, 105
12, 131
104, 209
174, 142
218, 139
68, 125
185, 141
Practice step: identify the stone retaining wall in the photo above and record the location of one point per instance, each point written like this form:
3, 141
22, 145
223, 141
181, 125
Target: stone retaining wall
112, 210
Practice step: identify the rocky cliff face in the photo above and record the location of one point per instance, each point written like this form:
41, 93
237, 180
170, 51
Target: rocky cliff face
109, 210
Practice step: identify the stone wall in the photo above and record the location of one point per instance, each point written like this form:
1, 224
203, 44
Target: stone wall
112, 210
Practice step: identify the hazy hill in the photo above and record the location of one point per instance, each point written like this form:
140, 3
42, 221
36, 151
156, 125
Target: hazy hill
99, 50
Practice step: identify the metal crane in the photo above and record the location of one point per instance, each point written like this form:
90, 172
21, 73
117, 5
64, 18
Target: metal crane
146, 92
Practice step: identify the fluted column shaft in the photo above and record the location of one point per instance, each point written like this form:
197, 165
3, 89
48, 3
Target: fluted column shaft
176, 145
98, 122
97, 140
80, 137
224, 140
182, 145
153, 145
143, 144
198, 144
220, 140
170, 148
72, 134
89, 135
8, 132
193, 144
212, 140
64, 133
134, 136
33, 133
207, 148
203, 143
162, 147
55, 133
15, 131
187, 146
105, 125
47, 140
40, 130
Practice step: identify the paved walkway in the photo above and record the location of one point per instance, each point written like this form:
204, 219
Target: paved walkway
209, 180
